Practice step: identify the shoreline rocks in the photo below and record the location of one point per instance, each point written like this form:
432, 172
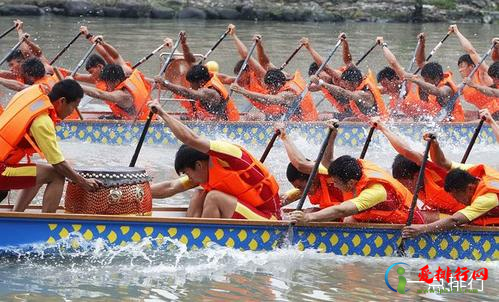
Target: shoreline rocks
471, 11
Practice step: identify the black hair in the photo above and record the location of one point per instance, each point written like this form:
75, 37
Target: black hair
113, 73
465, 59
293, 174
68, 89
387, 73
432, 70
403, 168
493, 71
33, 67
187, 157
198, 73
312, 69
15, 55
238, 66
345, 168
458, 180
352, 74
274, 77
93, 61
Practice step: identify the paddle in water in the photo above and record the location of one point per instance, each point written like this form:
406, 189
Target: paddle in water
14, 48
7, 31
296, 103
222, 37
419, 185
65, 48
368, 141
152, 112
473, 140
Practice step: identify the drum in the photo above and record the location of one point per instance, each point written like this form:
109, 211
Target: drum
126, 191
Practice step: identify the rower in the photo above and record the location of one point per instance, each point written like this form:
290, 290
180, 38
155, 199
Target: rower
323, 192
32, 72
209, 93
475, 186
236, 184
489, 94
370, 193
27, 127
405, 169
466, 64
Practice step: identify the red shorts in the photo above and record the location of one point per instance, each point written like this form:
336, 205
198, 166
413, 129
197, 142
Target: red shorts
245, 210
19, 176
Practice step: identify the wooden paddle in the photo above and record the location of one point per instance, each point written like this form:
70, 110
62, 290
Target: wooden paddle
434, 50
403, 86
85, 57
449, 106
7, 31
473, 140
366, 54
296, 103
65, 48
144, 59
3, 194
368, 141
153, 111
243, 67
14, 49
222, 37
290, 57
419, 184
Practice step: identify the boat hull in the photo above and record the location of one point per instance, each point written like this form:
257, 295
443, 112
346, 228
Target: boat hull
342, 239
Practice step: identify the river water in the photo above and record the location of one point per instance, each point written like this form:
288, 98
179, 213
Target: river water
135, 273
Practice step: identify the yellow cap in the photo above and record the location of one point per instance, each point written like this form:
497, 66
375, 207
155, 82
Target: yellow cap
212, 66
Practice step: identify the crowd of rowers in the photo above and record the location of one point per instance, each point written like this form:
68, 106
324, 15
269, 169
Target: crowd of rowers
229, 182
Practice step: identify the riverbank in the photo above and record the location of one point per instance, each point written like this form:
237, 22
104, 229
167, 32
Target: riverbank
470, 11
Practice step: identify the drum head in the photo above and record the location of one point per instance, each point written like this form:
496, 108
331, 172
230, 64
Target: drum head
115, 176
176, 72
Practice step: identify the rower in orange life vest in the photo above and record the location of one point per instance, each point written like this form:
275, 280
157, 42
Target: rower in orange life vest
27, 127
466, 63
371, 195
323, 193
33, 72
490, 92
331, 76
236, 185
477, 187
405, 169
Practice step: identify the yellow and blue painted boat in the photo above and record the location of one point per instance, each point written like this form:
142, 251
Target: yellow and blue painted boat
256, 133
27, 230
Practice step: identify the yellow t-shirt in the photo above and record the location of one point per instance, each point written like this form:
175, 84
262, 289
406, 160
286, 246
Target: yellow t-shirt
43, 131
369, 197
480, 206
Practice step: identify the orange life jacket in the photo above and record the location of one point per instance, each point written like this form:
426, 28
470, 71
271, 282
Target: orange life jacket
326, 194
433, 194
480, 100
226, 111
408, 106
258, 192
395, 209
49, 80
369, 83
432, 107
140, 89
489, 183
307, 109
25, 106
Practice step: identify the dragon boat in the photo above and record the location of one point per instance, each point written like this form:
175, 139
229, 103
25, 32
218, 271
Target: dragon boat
170, 224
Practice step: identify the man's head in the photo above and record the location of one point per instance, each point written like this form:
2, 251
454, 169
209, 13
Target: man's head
198, 76
493, 72
192, 163
299, 179
65, 96
274, 80
312, 69
345, 172
432, 73
94, 65
461, 185
389, 79
351, 78
15, 59
405, 171
113, 75
465, 65
32, 70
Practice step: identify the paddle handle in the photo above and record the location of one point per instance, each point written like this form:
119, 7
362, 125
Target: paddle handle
144, 59
269, 146
434, 50
472, 141
170, 57
7, 31
85, 57
317, 163
290, 57
366, 54
65, 48
368, 141
11, 51
403, 86
243, 67
208, 53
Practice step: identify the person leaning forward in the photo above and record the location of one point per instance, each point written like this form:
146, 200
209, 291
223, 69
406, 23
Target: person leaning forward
27, 127
236, 184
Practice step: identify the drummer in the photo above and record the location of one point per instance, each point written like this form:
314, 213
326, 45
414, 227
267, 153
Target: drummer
236, 185
27, 127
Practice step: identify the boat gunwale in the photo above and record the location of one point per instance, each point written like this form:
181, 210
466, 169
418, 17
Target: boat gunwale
222, 221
